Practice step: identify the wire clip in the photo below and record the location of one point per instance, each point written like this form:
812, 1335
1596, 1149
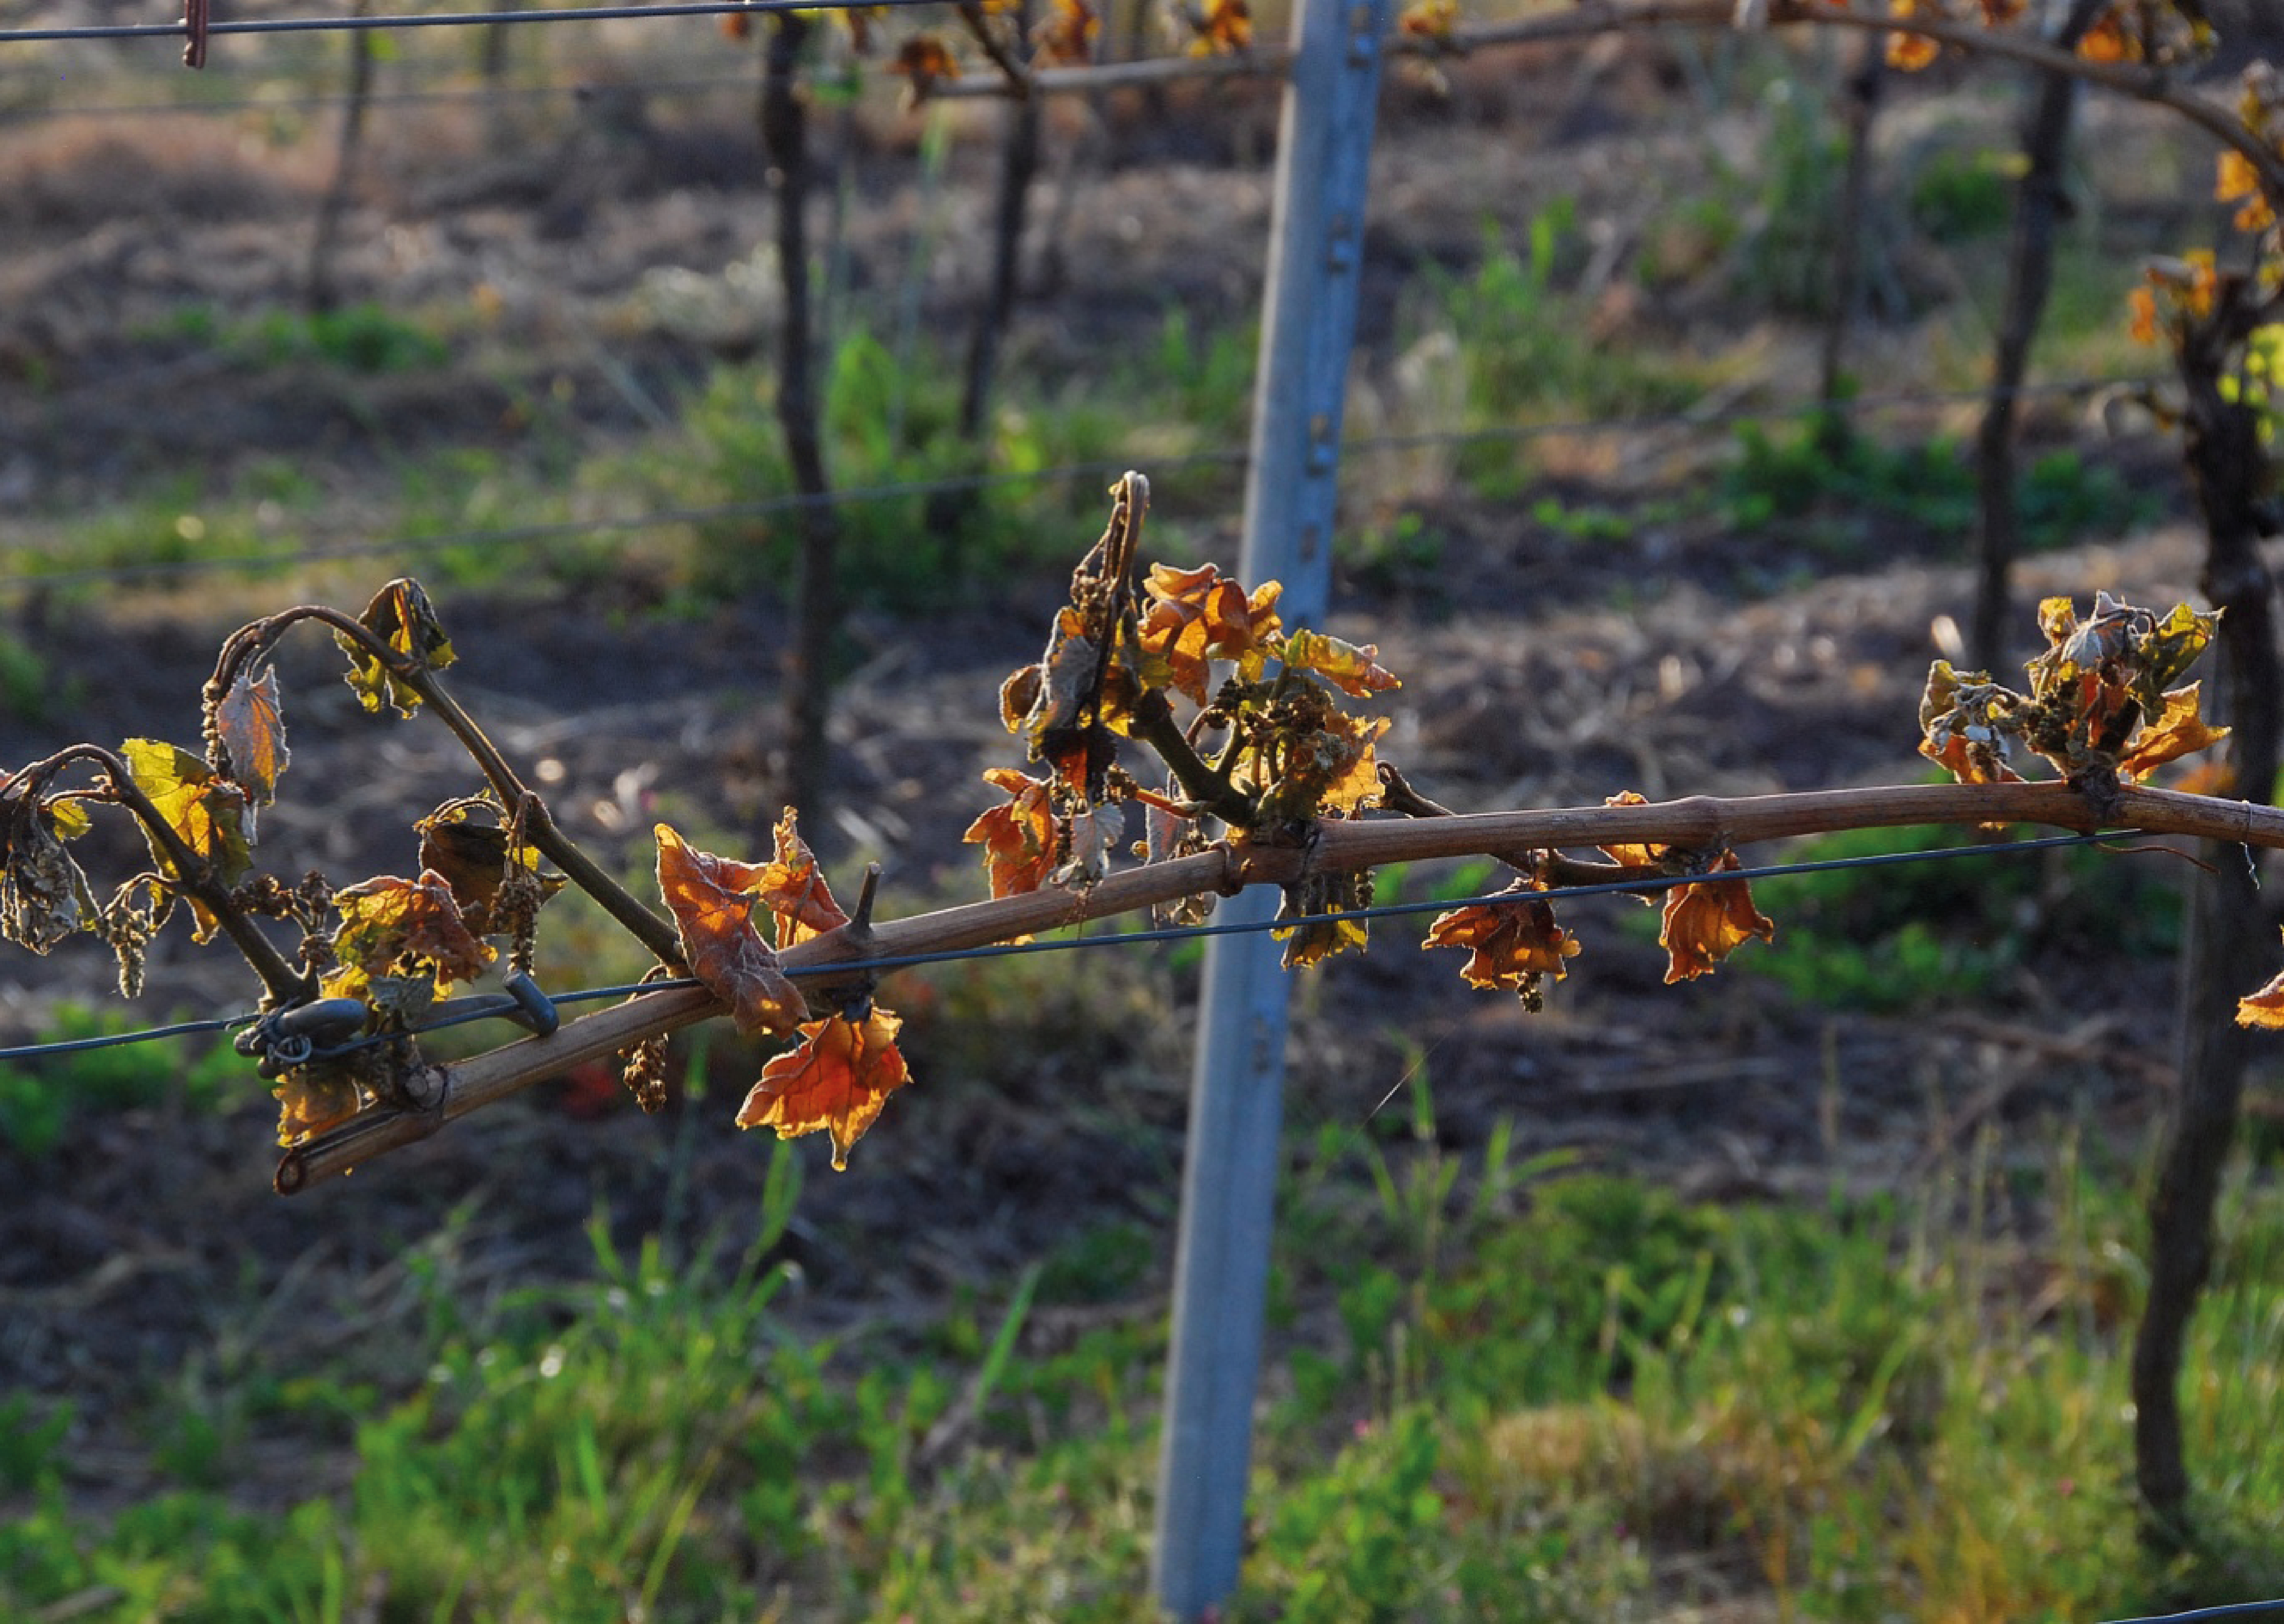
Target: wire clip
327, 1028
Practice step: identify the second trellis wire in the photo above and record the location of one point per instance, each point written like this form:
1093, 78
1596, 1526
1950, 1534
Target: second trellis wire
1171, 933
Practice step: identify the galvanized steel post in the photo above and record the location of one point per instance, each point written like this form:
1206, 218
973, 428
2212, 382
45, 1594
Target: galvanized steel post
1228, 1177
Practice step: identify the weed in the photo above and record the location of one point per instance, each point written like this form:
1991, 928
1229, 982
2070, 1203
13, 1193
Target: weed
30, 1447
365, 338
1799, 478
1960, 196
1895, 938
41, 1103
1525, 347
1785, 262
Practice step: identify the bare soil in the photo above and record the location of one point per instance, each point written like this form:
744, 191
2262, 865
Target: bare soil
1540, 670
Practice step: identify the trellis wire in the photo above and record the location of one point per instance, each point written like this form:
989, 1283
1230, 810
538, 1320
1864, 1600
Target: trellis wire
2200, 1615
442, 20
1167, 934
765, 507
314, 104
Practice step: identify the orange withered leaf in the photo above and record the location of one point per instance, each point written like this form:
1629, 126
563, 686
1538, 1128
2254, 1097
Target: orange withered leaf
393, 927
2238, 182
2143, 304
475, 862
1429, 20
1646, 856
713, 900
2109, 41
1511, 944
835, 1082
309, 1102
923, 58
2176, 731
791, 886
1018, 838
1200, 615
1065, 37
2264, 1008
1224, 26
253, 730
401, 616
1909, 52
1707, 920
1351, 667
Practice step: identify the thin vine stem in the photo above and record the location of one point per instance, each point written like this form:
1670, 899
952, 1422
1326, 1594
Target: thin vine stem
193, 875
656, 933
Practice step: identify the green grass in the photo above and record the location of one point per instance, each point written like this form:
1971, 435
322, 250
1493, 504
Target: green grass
1895, 938
1543, 1395
1820, 487
43, 1103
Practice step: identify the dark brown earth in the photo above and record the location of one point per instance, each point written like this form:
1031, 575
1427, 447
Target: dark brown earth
1540, 670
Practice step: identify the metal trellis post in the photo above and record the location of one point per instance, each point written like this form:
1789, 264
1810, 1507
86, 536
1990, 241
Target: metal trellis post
1228, 1177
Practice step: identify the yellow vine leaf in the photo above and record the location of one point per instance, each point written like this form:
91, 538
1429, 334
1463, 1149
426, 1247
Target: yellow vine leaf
207, 811
2176, 731
310, 1102
1351, 667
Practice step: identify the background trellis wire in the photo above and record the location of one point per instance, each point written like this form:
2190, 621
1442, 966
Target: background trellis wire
857, 495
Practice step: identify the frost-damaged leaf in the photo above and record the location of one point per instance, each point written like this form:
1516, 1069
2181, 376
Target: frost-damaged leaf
1322, 923
1631, 856
1091, 839
1066, 37
1706, 921
207, 812
309, 1102
1018, 838
1200, 615
394, 931
923, 58
793, 888
252, 729
475, 862
1967, 722
400, 615
1514, 944
2264, 1008
713, 900
1328, 768
2179, 730
43, 892
1224, 27
2174, 645
1349, 667
836, 1082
